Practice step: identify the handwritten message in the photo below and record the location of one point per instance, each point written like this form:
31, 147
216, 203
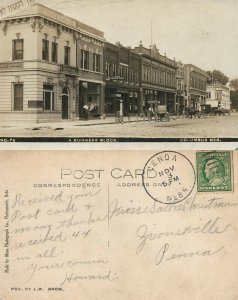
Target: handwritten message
47, 228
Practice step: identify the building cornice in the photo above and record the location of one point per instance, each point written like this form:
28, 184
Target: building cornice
39, 20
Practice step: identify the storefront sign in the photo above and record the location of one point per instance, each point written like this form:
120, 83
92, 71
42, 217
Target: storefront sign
35, 104
14, 6
68, 69
117, 78
11, 66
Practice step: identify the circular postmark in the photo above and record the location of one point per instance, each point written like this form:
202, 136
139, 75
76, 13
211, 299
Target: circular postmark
169, 177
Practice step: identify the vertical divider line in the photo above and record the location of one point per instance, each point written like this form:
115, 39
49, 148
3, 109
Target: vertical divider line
108, 216
108, 206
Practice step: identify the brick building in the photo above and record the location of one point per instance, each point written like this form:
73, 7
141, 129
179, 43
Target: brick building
158, 83
122, 79
195, 81
180, 89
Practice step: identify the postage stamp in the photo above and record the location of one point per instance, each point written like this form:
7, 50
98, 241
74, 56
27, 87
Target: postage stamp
214, 171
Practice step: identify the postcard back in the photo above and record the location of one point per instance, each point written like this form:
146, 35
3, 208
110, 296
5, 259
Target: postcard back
119, 225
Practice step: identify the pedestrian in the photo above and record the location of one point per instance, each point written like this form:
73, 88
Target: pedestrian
199, 110
156, 112
85, 112
121, 112
150, 113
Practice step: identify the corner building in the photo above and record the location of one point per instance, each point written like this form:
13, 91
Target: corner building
50, 66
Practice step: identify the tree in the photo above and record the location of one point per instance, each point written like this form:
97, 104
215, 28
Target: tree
218, 76
234, 99
234, 84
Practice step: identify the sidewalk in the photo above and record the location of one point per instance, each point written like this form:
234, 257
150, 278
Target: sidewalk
66, 123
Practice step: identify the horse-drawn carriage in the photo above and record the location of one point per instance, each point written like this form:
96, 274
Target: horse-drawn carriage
161, 114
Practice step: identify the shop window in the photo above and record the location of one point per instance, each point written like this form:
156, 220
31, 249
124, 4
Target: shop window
96, 62
54, 52
89, 93
48, 97
18, 97
67, 55
18, 46
45, 49
84, 60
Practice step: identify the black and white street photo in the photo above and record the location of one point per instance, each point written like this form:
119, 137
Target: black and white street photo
107, 68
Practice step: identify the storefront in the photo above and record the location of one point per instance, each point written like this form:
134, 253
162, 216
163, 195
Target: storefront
130, 99
90, 95
171, 103
151, 97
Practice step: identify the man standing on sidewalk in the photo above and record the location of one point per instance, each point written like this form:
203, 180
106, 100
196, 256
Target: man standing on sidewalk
85, 110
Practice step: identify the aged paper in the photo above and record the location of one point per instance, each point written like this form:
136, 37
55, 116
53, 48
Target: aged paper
118, 225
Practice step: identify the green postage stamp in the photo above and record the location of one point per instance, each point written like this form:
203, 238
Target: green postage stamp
214, 171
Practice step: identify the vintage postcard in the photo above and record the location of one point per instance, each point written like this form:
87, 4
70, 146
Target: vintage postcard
132, 70
140, 225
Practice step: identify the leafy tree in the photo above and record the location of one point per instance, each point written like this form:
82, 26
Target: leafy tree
234, 99
234, 84
217, 76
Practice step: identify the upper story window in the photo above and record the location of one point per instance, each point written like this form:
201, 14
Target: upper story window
54, 52
114, 70
121, 71
132, 76
18, 49
84, 59
125, 73
192, 81
218, 95
146, 73
96, 62
67, 55
45, 49
107, 69
153, 75
136, 77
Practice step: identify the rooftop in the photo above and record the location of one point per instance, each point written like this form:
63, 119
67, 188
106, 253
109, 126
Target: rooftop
153, 52
45, 12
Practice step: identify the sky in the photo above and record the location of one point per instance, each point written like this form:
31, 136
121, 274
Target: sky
201, 32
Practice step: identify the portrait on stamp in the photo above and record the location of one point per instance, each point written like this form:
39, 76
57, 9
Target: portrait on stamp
214, 171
